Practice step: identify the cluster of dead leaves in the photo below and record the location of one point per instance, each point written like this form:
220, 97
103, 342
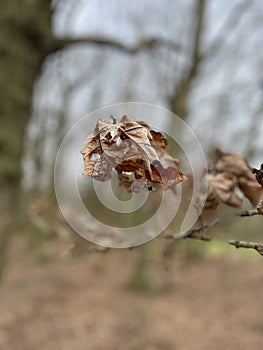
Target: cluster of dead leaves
134, 150
139, 155
231, 181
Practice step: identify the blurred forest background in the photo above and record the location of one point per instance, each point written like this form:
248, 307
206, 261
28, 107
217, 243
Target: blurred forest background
62, 59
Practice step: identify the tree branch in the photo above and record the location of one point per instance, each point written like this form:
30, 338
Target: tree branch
179, 100
194, 233
144, 44
250, 245
251, 212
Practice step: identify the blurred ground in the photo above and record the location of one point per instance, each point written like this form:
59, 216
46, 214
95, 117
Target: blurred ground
81, 303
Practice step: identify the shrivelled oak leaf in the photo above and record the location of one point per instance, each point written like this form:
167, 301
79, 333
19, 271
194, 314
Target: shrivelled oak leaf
230, 181
232, 163
259, 174
130, 147
251, 190
238, 166
223, 188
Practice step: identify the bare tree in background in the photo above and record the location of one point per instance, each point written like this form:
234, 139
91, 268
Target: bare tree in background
175, 64
26, 41
28, 45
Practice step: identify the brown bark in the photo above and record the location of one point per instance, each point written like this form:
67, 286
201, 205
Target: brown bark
25, 34
25, 38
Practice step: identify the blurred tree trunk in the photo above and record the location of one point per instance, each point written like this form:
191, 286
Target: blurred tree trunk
142, 277
25, 37
179, 101
25, 41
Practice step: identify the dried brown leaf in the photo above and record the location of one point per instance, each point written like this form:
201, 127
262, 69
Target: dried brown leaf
223, 187
233, 164
91, 152
236, 165
157, 137
125, 180
251, 189
130, 146
259, 174
165, 170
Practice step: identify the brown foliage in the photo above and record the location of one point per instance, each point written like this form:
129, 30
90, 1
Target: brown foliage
259, 174
222, 187
236, 165
130, 147
230, 181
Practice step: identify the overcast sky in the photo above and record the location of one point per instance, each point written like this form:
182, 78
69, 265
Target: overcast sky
226, 97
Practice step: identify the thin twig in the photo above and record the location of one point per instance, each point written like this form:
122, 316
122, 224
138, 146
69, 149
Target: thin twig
144, 44
251, 212
250, 245
194, 233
